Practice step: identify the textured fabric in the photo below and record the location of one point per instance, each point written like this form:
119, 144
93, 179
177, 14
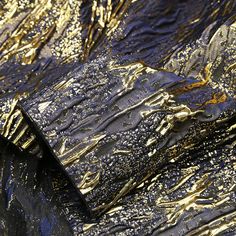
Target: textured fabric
117, 117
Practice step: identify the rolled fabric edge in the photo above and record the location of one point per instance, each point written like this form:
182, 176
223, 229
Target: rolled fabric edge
46, 148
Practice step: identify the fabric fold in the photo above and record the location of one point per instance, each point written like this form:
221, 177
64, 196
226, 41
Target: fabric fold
17, 83
143, 123
112, 126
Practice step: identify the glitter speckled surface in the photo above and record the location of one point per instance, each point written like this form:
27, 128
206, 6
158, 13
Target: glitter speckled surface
134, 101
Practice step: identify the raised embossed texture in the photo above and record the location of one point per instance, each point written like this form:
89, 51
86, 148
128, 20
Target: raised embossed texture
164, 155
112, 135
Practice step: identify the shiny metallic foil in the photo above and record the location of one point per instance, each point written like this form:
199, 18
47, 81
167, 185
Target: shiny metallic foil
118, 117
